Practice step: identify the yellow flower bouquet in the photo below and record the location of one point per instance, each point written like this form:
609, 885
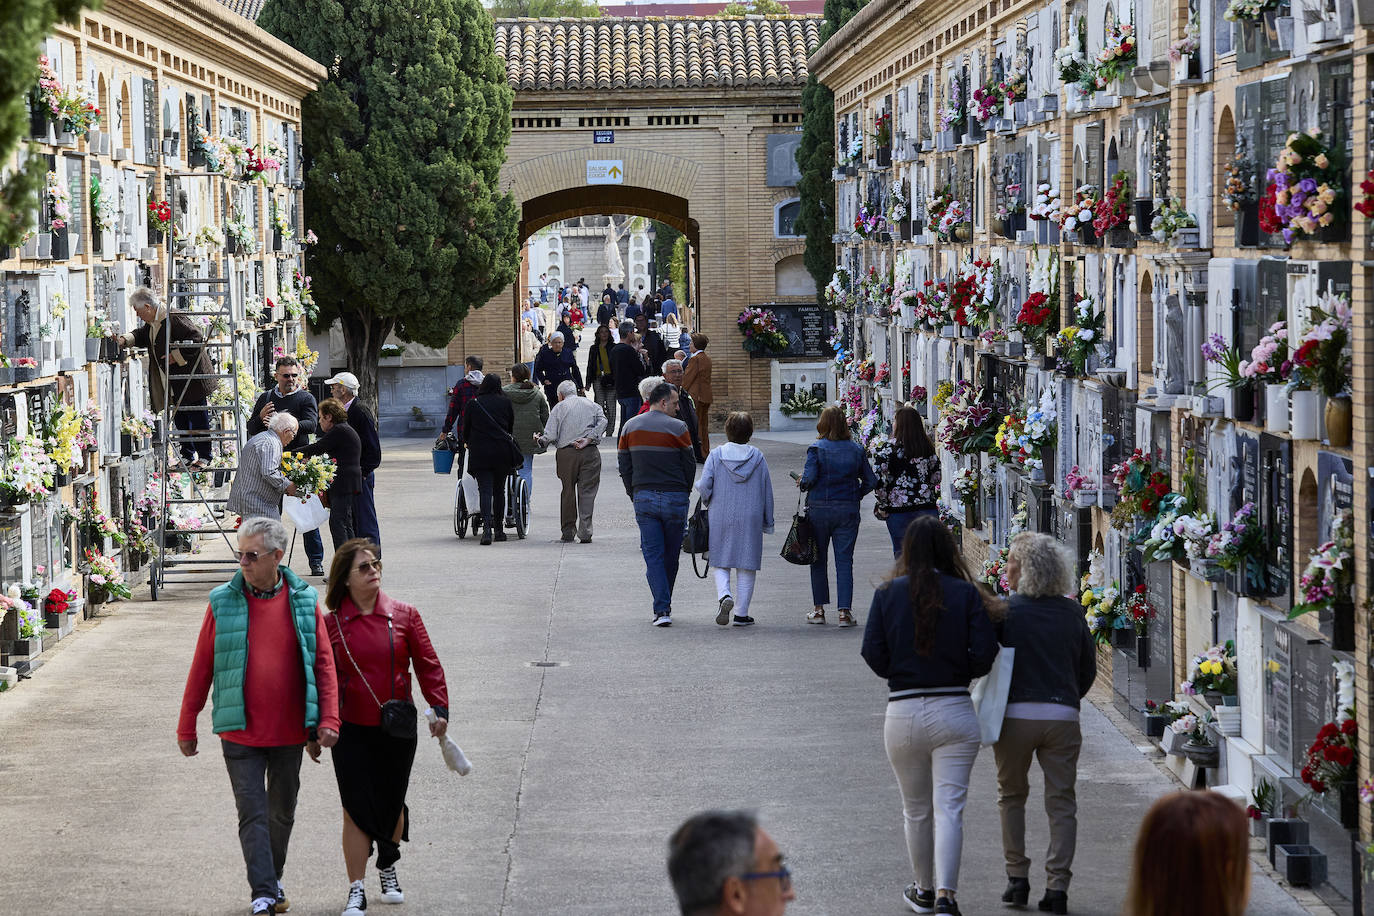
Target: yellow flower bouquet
310, 475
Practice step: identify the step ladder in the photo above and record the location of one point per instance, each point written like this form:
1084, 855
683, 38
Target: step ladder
186, 292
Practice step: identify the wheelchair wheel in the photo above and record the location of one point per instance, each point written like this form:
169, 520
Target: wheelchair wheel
522, 506
460, 510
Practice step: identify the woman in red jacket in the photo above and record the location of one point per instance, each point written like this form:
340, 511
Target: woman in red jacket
375, 640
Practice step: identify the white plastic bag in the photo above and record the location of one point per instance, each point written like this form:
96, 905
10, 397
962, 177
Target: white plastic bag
471, 495
306, 514
453, 754
990, 695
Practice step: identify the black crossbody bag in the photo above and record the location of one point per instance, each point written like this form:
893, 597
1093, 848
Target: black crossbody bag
398, 716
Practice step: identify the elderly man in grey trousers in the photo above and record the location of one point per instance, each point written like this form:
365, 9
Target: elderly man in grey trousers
574, 428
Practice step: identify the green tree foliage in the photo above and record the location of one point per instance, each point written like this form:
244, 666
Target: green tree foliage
539, 9
755, 7
26, 24
403, 143
816, 158
665, 237
677, 270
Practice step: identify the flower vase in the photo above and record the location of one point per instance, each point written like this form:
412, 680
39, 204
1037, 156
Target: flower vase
1144, 214
1348, 795
1085, 499
92, 349
1123, 638
1305, 414
1338, 417
1142, 651
1245, 402
971, 515
1276, 408
1206, 756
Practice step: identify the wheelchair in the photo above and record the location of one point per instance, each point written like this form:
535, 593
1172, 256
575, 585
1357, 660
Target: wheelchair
467, 513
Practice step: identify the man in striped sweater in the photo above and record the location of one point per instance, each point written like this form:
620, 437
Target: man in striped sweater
658, 467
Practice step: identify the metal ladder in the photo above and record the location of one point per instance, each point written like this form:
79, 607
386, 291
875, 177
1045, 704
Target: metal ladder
185, 291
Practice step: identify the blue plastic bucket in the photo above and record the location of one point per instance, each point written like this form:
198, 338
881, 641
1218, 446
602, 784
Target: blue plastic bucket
443, 461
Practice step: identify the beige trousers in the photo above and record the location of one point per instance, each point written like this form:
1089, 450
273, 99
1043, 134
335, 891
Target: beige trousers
580, 472
1055, 745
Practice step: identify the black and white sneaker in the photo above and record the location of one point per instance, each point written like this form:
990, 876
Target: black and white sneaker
391, 886
727, 604
663, 620
742, 621
920, 901
264, 905
357, 900
282, 905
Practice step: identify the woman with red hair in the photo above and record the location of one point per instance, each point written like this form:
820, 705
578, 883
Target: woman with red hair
1192, 856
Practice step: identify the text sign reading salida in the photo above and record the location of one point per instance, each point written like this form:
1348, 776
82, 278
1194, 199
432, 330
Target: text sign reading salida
605, 171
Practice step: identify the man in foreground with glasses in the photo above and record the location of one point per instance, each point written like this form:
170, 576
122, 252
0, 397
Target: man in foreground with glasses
270, 704
723, 862
290, 396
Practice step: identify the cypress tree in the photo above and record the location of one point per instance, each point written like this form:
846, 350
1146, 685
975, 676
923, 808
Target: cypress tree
27, 23
403, 143
816, 158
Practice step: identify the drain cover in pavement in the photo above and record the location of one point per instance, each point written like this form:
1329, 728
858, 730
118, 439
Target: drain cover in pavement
546, 664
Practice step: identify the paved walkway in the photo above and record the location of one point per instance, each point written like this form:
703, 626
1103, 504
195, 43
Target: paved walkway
582, 770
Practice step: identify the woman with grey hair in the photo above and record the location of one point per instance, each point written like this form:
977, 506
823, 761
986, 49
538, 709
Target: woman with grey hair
1056, 663
557, 362
179, 375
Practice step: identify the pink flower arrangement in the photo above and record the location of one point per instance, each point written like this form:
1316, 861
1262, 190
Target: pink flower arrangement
1076, 480
1269, 363
26, 362
882, 375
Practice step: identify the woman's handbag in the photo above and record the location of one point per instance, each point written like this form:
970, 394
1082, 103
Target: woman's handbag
799, 546
398, 716
990, 691
517, 457
697, 539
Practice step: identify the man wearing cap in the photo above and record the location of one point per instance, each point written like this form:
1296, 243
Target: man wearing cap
344, 387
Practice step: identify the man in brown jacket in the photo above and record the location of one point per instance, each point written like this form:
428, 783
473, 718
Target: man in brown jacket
186, 357
696, 381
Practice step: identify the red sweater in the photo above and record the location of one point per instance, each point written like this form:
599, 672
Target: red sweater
274, 682
371, 647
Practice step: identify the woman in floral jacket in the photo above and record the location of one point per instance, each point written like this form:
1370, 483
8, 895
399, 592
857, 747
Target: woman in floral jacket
908, 475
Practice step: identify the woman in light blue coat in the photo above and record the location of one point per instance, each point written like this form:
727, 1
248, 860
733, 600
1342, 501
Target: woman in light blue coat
736, 486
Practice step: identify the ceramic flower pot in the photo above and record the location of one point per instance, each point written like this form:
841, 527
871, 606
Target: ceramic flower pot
1305, 414
1204, 755
1244, 400
92, 349
1338, 418
1276, 408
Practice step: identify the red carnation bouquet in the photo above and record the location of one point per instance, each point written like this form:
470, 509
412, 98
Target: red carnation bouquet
1269, 219
1140, 488
160, 214
1036, 319
58, 601
1331, 758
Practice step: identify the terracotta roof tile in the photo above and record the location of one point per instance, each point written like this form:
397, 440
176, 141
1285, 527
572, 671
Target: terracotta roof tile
662, 52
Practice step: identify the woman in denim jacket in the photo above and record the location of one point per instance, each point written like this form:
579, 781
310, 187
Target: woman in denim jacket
836, 478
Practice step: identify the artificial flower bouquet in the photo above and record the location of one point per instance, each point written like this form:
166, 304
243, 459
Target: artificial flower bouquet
1239, 545
1248, 10
310, 475
1332, 756
1117, 57
1115, 207
987, 103
1308, 183
58, 601
1240, 190
974, 297
59, 201
1192, 727
159, 215
1172, 217
1140, 611
1046, 204
1072, 67
1323, 359
882, 375
1076, 481
1100, 602
882, 130
1220, 353
1212, 671
1079, 213
865, 371
1329, 577
837, 291
966, 422
1036, 318
1269, 363
761, 331
1079, 340
27, 473
994, 573
1140, 487
855, 150
952, 115
932, 303
95, 525
137, 426
869, 221
106, 581
1164, 540
965, 485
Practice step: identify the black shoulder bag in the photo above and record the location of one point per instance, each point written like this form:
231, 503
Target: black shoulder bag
516, 457
398, 716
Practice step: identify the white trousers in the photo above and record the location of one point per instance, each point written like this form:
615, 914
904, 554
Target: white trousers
744, 588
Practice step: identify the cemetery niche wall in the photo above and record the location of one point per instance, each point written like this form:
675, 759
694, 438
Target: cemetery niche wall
173, 164
1135, 237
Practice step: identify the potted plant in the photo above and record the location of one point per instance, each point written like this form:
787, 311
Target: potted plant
803, 404
1264, 802
1213, 674
25, 369
1238, 547
1332, 759
418, 420
104, 581
1198, 745
882, 139
965, 487
762, 335
1323, 362
1114, 212
1174, 223
1141, 611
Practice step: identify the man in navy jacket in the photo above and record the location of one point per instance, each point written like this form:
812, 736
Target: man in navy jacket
291, 396
344, 387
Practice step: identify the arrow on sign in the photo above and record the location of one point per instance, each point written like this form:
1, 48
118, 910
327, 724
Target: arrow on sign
615, 171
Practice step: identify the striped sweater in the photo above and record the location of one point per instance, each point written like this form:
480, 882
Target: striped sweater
656, 454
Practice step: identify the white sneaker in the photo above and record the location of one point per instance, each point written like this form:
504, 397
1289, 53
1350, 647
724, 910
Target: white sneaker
357, 900
391, 887
663, 620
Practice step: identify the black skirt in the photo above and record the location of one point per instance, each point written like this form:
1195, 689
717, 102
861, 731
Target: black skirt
373, 772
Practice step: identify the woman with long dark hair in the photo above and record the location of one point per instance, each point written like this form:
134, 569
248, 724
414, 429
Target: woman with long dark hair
599, 375
908, 475
488, 425
929, 635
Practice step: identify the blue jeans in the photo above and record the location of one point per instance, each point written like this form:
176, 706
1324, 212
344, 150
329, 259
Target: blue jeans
314, 547
662, 519
628, 408
526, 472
898, 522
836, 521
